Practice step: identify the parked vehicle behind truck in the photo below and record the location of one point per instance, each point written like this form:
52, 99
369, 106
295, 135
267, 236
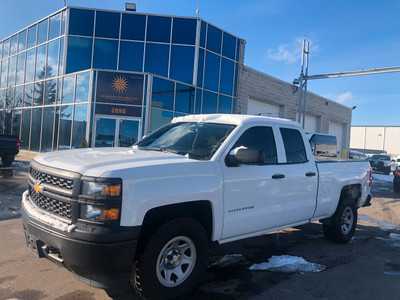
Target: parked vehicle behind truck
9, 148
150, 213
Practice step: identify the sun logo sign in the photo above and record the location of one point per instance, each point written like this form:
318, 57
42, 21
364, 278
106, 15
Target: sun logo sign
120, 84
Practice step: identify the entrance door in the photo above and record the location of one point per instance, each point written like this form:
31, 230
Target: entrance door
116, 132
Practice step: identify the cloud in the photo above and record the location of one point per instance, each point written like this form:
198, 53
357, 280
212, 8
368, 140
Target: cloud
289, 52
343, 98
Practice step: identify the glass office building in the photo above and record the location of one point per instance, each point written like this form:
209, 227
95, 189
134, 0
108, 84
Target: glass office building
94, 78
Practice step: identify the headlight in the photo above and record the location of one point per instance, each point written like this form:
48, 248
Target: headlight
100, 199
98, 214
101, 188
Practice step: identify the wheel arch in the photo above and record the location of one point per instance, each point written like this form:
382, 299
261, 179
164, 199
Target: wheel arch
200, 210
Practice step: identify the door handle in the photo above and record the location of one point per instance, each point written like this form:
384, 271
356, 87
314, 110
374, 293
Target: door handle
310, 174
278, 176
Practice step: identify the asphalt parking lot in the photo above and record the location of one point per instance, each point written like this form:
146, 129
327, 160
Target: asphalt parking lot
366, 268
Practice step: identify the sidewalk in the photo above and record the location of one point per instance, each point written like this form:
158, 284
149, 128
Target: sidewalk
25, 155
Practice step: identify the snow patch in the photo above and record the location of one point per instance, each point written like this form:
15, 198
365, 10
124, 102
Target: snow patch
392, 273
393, 239
382, 177
289, 264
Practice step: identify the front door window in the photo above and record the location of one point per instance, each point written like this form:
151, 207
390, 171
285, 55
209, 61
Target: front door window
105, 132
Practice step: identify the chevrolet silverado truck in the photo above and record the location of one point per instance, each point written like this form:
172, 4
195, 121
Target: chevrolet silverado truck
148, 214
9, 148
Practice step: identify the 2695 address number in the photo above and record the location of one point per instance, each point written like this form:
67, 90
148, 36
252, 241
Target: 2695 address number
119, 111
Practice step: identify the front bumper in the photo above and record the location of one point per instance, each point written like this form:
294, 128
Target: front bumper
97, 255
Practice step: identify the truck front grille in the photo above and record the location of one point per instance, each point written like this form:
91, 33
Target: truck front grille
53, 206
56, 181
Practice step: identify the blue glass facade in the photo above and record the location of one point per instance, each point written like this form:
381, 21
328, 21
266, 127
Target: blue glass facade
49, 72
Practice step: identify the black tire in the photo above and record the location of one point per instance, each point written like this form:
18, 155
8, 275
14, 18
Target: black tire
7, 160
179, 248
343, 223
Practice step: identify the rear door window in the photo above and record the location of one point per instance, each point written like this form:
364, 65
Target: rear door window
294, 146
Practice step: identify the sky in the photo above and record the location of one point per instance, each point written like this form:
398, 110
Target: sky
344, 36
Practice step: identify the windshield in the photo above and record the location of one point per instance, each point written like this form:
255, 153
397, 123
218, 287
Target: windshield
197, 140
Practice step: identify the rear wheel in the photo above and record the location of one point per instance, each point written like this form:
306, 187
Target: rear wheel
172, 261
7, 160
343, 223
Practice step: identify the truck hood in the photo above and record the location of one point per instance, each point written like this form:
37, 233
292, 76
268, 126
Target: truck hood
96, 162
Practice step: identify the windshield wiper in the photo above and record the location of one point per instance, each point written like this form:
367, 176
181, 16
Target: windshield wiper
161, 149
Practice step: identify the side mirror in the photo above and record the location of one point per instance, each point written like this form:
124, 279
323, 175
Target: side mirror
243, 155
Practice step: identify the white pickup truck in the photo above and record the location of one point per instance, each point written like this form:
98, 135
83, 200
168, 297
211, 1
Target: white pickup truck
150, 213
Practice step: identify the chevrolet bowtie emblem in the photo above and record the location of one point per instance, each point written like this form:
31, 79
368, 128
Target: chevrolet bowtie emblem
37, 188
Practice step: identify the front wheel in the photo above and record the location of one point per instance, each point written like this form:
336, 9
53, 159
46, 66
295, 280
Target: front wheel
172, 261
343, 223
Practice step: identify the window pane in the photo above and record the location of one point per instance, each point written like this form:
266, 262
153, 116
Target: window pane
30, 65
79, 54
61, 58
157, 56
8, 122
40, 68
59, 93
200, 68
54, 28
19, 96
225, 85
229, 46
203, 35
107, 24
9, 97
131, 56
14, 45
261, 138
159, 118
163, 93
133, 27
198, 101
56, 127
68, 89
38, 93
184, 31
25, 128
214, 36
79, 134
50, 92
294, 146
6, 48
1, 50
52, 59
182, 60
82, 87
105, 54
209, 103
211, 71
11, 71
16, 116
81, 22
235, 81
21, 41
65, 127
36, 129
3, 95
184, 98
32, 36
234, 105
4, 73
21, 68
158, 29
237, 49
42, 31
63, 22
47, 131
28, 94
224, 104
